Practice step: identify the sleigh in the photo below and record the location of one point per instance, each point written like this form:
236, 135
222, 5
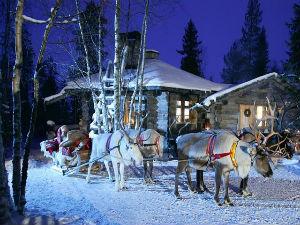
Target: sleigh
69, 149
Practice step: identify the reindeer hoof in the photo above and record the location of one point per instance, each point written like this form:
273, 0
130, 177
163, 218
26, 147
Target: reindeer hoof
145, 181
124, 188
218, 202
229, 203
177, 195
246, 194
152, 181
88, 181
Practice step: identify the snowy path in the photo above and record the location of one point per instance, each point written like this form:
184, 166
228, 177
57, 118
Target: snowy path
71, 201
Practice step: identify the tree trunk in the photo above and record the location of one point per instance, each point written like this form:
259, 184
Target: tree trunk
102, 91
117, 67
145, 25
137, 79
5, 199
17, 136
35, 105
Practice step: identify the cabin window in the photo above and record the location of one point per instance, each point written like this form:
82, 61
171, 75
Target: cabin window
183, 111
259, 114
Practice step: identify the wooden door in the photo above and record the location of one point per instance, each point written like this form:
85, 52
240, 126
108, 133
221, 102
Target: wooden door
246, 116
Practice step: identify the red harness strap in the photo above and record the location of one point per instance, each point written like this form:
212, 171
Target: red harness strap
156, 145
141, 143
210, 149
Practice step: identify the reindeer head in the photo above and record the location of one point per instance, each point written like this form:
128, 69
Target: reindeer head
131, 147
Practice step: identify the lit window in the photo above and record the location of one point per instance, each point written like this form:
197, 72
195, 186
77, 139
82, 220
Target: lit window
259, 114
178, 115
183, 111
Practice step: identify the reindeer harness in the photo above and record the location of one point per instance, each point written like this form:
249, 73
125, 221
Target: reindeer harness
141, 143
108, 144
213, 157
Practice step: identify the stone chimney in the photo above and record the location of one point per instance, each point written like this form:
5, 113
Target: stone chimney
133, 40
151, 54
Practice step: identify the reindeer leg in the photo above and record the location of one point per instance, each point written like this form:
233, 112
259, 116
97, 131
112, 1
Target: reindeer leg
200, 182
145, 180
180, 168
243, 188
116, 172
227, 200
78, 163
218, 178
123, 186
108, 171
188, 175
88, 179
150, 172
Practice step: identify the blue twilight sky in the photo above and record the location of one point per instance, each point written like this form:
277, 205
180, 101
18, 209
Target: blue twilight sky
219, 24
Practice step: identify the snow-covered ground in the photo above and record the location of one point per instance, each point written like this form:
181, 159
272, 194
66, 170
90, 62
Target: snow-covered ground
56, 199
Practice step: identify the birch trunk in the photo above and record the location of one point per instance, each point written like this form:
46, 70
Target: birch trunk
145, 25
35, 105
137, 80
17, 137
117, 67
102, 91
5, 199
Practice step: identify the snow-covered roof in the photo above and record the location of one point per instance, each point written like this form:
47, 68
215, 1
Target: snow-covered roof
212, 98
160, 74
157, 74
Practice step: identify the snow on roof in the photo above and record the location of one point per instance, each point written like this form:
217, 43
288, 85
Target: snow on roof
212, 98
156, 74
160, 74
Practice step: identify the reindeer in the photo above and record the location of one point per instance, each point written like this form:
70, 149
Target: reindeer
118, 148
229, 153
152, 145
276, 144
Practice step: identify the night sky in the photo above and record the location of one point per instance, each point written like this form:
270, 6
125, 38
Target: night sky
219, 24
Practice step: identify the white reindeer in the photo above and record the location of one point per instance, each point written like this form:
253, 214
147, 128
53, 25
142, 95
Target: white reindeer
230, 154
118, 148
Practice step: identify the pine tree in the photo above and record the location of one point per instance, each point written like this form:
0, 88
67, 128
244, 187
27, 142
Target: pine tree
261, 55
234, 65
192, 51
292, 64
250, 35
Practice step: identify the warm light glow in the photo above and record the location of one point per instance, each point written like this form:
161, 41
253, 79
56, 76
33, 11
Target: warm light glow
259, 114
178, 114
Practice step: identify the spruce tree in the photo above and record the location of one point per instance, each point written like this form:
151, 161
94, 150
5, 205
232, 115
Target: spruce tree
192, 51
292, 64
234, 64
261, 60
250, 36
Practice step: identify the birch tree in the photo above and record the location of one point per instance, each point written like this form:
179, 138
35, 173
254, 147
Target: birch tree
117, 67
50, 22
17, 137
140, 66
145, 25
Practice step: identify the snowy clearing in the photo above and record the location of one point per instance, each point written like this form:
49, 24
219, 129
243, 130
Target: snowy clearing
55, 199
